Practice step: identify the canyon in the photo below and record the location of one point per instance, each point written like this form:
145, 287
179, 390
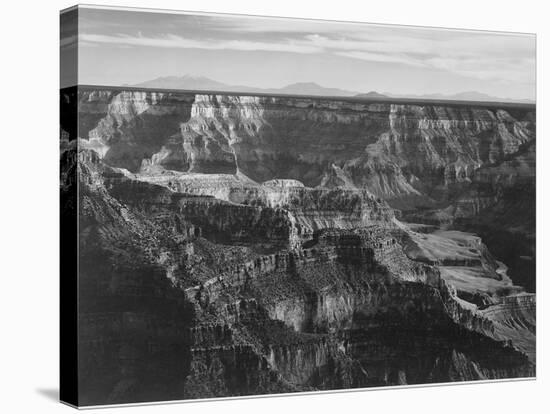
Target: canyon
234, 244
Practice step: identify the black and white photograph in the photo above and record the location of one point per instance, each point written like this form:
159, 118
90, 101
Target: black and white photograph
275, 220
274, 207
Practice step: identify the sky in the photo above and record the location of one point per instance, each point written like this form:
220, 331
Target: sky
120, 47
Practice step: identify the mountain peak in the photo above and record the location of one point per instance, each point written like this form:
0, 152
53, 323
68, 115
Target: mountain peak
312, 88
371, 94
183, 82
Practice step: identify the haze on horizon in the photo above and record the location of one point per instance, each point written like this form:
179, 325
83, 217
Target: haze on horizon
126, 47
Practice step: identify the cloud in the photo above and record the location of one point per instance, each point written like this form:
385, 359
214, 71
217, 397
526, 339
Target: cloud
382, 57
484, 67
479, 55
173, 41
475, 55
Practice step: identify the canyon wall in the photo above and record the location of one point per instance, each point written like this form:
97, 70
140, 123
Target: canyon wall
395, 150
461, 165
236, 245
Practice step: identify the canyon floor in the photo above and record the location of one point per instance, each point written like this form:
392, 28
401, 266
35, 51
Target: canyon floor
242, 245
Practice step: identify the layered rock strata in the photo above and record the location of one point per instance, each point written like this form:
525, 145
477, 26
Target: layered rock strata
238, 245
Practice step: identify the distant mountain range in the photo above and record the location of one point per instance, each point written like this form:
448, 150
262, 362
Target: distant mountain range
462, 96
203, 83
188, 82
185, 82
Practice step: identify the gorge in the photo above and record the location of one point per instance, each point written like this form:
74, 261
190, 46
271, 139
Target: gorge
257, 244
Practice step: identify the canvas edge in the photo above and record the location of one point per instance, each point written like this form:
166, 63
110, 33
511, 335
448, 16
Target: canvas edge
308, 393
354, 22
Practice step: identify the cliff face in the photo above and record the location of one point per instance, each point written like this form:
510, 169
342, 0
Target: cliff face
393, 150
455, 165
409, 155
252, 240
126, 127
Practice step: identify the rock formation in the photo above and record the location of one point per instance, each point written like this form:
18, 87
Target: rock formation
236, 245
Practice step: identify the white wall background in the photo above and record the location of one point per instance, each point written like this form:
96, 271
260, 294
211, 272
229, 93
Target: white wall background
29, 206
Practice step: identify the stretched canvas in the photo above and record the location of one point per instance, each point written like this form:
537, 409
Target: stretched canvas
255, 205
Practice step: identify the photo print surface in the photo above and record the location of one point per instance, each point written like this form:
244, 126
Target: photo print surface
255, 205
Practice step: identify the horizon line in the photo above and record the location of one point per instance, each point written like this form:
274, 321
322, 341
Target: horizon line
356, 99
